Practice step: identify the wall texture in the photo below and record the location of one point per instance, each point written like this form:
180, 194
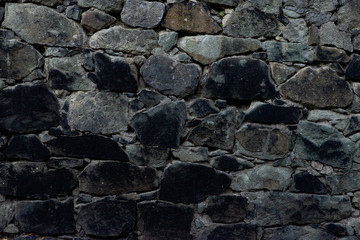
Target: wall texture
214, 119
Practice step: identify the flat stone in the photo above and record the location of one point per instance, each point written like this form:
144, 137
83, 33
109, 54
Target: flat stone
330, 54
348, 15
191, 154
352, 72
230, 3
344, 182
107, 218
268, 6
189, 182
73, 12
95, 20
167, 40
216, 130
57, 30
297, 232
264, 142
98, 112
150, 98
226, 208
356, 42
107, 6
147, 155
192, 17
161, 126
13, 64
27, 147
118, 38
23, 107
339, 121
338, 229
171, 77
239, 78
113, 177
46, 217
59, 163
353, 126
231, 231
281, 72
87, 146
50, 3
296, 31
202, 107
282, 208
331, 35
208, 48
7, 214
288, 52
162, 220
230, 163
318, 88
307, 183
139, 13
11, 229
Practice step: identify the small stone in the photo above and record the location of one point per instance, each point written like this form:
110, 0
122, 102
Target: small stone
338, 229
356, 41
95, 20
229, 163
191, 154
230, 3
59, 163
313, 38
150, 98
331, 35
348, 15
297, 232
73, 12
37, 74
308, 183
329, 54
2, 12
7, 213
167, 40
55, 52
147, 156
296, 31
281, 72
339, 121
288, 52
221, 103
231, 231
344, 182
353, 126
352, 72
11, 229
202, 107
6, 34
107, 6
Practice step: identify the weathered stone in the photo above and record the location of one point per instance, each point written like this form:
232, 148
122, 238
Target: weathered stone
356, 42
318, 16
339, 121
348, 15
17, 60
167, 40
12, 229
55, 162
352, 72
202, 107
73, 12
163, 221
27, 108
6, 34
353, 126
265, 142
161, 126
320, 142
139, 13
230, 232
57, 30
150, 98
282, 208
56, 52
329, 54
296, 31
148, 156
335, 228
7, 214
107, 6
87, 146
268, 6
207, 48
313, 38
331, 35
95, 20
297, 232
319, 88
229, 163
46, 217
118, 38
98, 112
171, 77
191, 154
27, 147
192, 17
239, 78
188, 183
344, 182
50, 3
107, 218
230, 3
216, 130
308, 183
281, 72
288, 52
112, 177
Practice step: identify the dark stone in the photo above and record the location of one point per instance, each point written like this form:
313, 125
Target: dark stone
230, 232
221, 103
353, 72
329, 54
336, 228
202, 108
188, 183
111, 177
193, 123
147, 155
6, 214
46, 217
136, 105
27, 108
297, 232
229, 163
32, 180
150, 98
353, 126
308, 183
65, 162
346, 181
239, 78
94, 20
163, 221
108, 218
87, 146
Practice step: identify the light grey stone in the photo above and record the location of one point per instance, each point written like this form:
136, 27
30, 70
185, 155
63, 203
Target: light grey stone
55, 52
296, 31
349, 15
191, 154
331, 35
281, 72
268, 6
327, 6
107, 6
11, 229
297, 232
34, 75
73, 12
147, 156
167, 40
288, 52
50, 3
317, 17
344, 182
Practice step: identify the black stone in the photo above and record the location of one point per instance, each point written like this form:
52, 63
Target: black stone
61, 80
27, 108
308, 183
202, 108
193, 123
188, 183
336, 228
87, 146
353, 70
221, 103
27, 147
327, 54
150, 98
136, 105
46, 217
163, 221
108, 218
55, 162
230, 232
226, 163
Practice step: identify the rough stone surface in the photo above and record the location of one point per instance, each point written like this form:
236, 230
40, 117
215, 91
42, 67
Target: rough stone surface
353, 126
297, 232
348, 15
147, 155
7, 214
95, 20
308, 183
73, 12
107, 6
281, 72
352, 72
191, 154
202, 107
167, 40
329, 54
296, 31
230, 232
330, 34
230, 3
230, 163
288, 52
57, 163
344, 182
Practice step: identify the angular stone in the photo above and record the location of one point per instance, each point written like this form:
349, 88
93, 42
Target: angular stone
163, 221
191, 154
50, 3
353, 126
33, 180
288, 52
46, 217
147, 156
239, 78
188, 183
112, 177
230, 232
150, 98
338, 229
171, 77
118, 38
261, 141
98, 112
282, 208
167, 40
27, 147
308, 183
344, 182
107, 218
26, 108
348, 15
207, 48
230, 3
87, 146
320, 142
192, 17
216, 130
95, 20
57, 30
73, 12
318, 88
161, 126
356, 42
352, 72
139, 13
202, 107
297, 232
296, 31
17, 60
229, 163
251, 23
329, 54
331, 35
281, 72
58, 163
107, 6
7, 214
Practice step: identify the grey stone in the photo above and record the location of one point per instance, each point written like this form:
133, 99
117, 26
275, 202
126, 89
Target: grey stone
313, 38
150, 98
7, 214
207, 48
318, 88
55, 52
118, 38
281, 72
50, 3
56, 162
288, 52
35, 75
191, 154
318, 16
202, 107
56, 30
329, 54
171, 77
296, 31
2, 13
12, 229
73, 12
6, 34
297, 232
268, 6
107, 6
139, 13
94, 20
230, 232
344, 182
348, 15
352, 72
167, 40
327, 6
307, 183
147, 156
356, 42
355, 106
230, 163
230, 3
353, 126
98, 112
331, 35
339, 121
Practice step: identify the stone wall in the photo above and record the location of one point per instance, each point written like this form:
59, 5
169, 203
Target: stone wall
213, 119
